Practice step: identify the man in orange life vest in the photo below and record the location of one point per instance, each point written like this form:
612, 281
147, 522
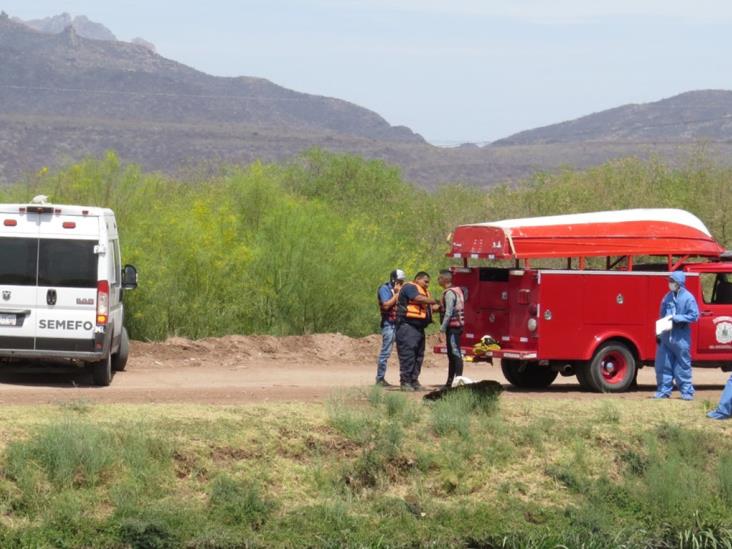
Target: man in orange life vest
452, 321
414, 314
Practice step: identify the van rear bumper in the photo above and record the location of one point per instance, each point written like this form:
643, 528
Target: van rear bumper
50, 355
86, 350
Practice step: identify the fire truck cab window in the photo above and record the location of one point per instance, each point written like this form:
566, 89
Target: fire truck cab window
717, 288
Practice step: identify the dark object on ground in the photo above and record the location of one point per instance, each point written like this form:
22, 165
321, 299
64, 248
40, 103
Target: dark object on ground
487, 387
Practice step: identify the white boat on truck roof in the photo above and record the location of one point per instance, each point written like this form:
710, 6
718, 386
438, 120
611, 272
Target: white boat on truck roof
62, 285
649, 231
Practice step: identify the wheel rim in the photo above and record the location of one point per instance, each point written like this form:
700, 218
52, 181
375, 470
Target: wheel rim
614, 367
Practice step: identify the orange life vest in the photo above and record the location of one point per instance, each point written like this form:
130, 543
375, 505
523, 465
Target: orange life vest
408, 310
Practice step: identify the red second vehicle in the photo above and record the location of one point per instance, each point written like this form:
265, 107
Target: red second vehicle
592, 311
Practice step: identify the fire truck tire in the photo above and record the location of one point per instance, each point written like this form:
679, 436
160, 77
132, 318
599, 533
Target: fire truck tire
613, 368
527, 375
583, 376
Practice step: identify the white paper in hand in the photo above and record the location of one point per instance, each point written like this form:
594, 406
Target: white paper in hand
663, 325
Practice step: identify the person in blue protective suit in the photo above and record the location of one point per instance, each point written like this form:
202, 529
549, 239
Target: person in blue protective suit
724, 410
673, 356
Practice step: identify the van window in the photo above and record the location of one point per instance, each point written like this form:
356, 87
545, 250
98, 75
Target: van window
69, 263
18, 264
114, 267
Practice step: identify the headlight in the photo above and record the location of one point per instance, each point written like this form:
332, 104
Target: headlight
532, 324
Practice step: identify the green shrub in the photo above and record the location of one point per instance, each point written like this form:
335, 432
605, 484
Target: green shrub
148, 533
396, 403
608, 413
327, 524
375, 395
238, 502
674, 490
634, 461
70, 453
75, 454
353, 423
377, 457
449, 415
725, 479
269, 247
568, 476
452, 413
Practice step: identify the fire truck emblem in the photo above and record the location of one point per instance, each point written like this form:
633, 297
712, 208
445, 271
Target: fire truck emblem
724, 329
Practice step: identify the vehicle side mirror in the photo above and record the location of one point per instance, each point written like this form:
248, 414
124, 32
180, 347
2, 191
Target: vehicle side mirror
129, 277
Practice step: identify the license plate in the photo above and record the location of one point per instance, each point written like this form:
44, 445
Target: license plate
8, 320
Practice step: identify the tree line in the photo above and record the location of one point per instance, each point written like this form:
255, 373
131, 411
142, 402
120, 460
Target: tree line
300, 246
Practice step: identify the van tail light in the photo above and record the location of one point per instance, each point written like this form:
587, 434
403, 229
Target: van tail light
102, 302
69, 225
10, 223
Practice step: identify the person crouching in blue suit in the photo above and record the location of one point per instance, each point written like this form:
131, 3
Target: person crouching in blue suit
673, 356
724, 410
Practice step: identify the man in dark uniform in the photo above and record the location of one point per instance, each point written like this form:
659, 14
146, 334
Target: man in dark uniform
414, 314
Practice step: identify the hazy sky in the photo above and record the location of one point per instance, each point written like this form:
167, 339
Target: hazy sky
453, 70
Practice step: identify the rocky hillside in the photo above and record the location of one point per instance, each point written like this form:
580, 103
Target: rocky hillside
81, 24
68, 75
69, 89
697, 115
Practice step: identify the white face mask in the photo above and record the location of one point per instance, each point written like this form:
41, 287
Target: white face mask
673, 286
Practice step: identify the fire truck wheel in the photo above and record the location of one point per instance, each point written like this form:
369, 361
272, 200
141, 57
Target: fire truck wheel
527, 375
613, 368
583, 376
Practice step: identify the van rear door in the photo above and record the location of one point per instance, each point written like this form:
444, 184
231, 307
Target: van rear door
18, 254
67, 283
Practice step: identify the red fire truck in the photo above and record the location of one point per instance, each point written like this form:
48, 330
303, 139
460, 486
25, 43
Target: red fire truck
580, 294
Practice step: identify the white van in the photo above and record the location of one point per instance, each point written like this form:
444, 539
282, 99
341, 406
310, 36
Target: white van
61, 286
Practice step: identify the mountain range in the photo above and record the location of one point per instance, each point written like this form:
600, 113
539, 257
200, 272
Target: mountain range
696, 115
69, 88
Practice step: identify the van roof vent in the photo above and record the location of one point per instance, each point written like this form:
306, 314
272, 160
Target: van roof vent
39, 199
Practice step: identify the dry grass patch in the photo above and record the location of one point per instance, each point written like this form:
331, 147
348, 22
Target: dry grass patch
366, 467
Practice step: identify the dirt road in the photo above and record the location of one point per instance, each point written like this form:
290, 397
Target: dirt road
238, 369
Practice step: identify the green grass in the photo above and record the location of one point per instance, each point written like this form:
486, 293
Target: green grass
367, 469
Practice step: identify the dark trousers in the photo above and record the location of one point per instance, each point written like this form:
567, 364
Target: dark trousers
410, 342
454, 356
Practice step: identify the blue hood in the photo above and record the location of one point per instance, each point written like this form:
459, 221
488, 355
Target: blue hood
679, 277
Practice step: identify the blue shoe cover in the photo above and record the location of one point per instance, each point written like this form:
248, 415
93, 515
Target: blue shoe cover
715, 414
